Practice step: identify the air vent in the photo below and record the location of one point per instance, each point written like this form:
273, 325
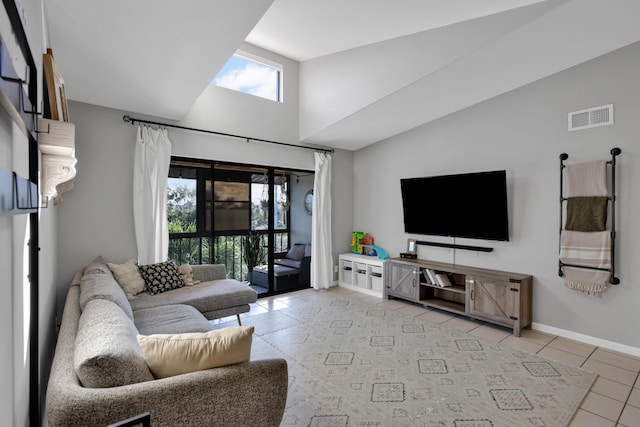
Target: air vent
591, 117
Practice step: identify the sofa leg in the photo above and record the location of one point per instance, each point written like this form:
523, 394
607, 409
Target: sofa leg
239, 322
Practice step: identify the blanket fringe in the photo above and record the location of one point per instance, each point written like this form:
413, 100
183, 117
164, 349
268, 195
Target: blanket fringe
589, 288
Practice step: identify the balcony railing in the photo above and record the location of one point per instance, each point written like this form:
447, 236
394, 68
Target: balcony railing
227, 250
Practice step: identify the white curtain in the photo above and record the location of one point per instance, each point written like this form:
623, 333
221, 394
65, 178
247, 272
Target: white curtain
150, 174
321, 251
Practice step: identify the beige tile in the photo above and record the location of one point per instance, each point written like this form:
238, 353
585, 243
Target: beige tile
630, 356
571, 346
562, 356
272, 304
611, 372
460, 324
583, 418
630, 417
611, 389
522, 344
634, 398
536, 336
616, 359
601, 405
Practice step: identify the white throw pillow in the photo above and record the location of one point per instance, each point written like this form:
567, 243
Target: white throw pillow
128, 277
174, 354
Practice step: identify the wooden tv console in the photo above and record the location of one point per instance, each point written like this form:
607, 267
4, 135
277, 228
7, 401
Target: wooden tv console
498, 297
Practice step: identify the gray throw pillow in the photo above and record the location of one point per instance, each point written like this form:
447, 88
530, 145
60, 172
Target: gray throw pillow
296, 252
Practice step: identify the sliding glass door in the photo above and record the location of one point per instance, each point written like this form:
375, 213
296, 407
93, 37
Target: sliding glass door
237, 215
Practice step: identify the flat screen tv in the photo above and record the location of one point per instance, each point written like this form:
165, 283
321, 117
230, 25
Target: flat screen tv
470, 205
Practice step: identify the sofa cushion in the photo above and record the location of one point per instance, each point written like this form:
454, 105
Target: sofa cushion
128, 277
161, 277
169, 355
107, 353
288, 263
170, 319
296, 252
98, 283
205, 296
209, 272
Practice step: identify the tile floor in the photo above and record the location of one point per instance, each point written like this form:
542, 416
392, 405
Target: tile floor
614, 398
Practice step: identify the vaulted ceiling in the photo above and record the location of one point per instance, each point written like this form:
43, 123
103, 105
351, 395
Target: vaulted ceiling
369, 69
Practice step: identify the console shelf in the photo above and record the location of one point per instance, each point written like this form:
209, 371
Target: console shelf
499, 297
361, 273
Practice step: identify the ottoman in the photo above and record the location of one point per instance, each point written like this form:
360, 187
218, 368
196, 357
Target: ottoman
283, 277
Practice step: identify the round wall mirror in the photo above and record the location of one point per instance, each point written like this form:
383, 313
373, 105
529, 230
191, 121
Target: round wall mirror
308, 202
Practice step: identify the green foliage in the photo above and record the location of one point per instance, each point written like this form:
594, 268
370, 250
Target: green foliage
254, 253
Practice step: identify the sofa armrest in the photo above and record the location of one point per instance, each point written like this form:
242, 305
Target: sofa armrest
209, 272
251, 393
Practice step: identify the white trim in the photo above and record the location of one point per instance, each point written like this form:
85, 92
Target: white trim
634, 351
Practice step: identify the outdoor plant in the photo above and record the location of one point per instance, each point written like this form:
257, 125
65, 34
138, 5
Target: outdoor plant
253, 251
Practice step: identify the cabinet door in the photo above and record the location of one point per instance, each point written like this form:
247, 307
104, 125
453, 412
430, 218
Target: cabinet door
402, 281
493, 299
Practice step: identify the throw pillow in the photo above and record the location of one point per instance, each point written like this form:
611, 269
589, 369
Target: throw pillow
296, 252
169, 355
128, 277
161, 277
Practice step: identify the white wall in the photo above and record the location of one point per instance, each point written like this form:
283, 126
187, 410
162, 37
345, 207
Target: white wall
524, 132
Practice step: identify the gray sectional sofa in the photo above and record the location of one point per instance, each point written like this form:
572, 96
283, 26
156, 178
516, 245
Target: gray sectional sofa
99, 375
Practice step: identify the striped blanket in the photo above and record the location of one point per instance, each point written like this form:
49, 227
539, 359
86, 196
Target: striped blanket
590, 249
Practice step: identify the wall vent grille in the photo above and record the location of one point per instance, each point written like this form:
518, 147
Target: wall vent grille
591, 117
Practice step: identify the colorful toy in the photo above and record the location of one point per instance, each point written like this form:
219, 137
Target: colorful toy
356, 240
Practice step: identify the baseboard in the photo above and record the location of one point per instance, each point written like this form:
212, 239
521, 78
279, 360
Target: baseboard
622, 348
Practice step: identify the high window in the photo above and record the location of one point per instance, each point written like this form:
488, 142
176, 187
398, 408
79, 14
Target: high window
252, 75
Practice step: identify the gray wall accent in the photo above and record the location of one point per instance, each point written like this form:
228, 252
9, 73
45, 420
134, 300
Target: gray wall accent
524, 132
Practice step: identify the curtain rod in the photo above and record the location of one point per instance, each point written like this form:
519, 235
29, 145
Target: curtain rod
132, 120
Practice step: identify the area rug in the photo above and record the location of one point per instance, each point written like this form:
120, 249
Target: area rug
357, 364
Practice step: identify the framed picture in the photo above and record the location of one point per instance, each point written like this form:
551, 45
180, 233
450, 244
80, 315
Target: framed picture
55, 88
411, 246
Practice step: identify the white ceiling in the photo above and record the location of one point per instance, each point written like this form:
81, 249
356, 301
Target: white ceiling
157, 56
307, 29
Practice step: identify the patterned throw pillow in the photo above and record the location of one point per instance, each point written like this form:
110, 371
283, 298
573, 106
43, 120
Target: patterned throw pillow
161, 277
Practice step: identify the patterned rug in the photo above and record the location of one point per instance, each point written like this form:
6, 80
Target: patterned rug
356, 364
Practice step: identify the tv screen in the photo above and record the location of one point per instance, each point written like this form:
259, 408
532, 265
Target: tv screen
472, 205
